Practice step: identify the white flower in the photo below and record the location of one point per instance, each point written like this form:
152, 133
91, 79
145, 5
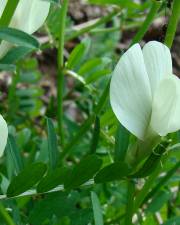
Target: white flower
3, 135
29, 16
144, 93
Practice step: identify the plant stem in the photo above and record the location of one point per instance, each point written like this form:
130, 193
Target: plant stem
12, 100
173, 22
98, 22
130, 203
162, 181
6, 216
78, 136
143, 193
87, 124
34, 192
150, 17
60, 79
8, 12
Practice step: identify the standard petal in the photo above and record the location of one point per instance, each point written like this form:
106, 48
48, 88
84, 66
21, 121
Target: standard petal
157, 58
130, 92
166, 106
2, 6
3, 135
4, 48
30, 15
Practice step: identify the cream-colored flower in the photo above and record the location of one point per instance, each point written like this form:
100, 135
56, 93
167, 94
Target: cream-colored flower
144, 93
29, 16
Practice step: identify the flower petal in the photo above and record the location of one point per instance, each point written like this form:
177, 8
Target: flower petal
166, 106
30, 15
4, 48
130, 93
158, 62
2, 6
3, 135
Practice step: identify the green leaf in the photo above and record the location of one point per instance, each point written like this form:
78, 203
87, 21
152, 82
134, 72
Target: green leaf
98, 217
23, 137
30, 77
87, 124
121, 143
112, 172
52, 179
83, 171
95, 137
26, 179
52, 1
97, 75
95, 69
59, 205
151, 163
29, 92
158, 201
75, 56
7, 67
14, 154
52, 144
78, 54
172, 221
122, 3
15, 54
163, 181
18, 37
89, 65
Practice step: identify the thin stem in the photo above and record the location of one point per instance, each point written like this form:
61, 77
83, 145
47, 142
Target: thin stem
88, 28
60, 79
143, 193
12, 101
162, 181
130, 203
150, 17
173, 22
78, 136
8, 12
35, 193
87, 124
106, 30
6, 216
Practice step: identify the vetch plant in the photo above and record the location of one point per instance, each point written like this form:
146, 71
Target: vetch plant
145, 96
29, 16
63, 172
3, 135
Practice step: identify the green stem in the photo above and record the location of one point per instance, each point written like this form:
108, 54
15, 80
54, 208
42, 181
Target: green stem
162, 181
130, 203
105, 30
87, 124
150, 17
8, 12
12, 100
143, 193
34, 192
6, 216
60, 79
173, 22
78, 136
92, 26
